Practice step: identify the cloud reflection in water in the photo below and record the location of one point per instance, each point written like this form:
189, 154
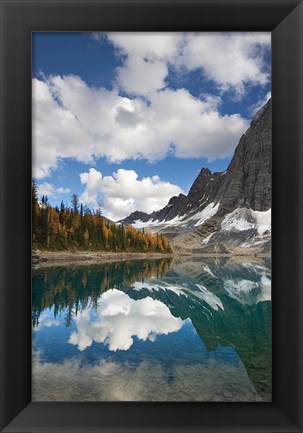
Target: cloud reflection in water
119, 318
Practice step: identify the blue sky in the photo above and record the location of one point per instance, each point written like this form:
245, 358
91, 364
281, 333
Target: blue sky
127, 120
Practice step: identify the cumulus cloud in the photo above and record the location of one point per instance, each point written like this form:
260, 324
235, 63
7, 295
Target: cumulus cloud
140, 76
232, 60
73, 120
45, 189
49, 190
146, 58
62, 190
119, 318
122, 193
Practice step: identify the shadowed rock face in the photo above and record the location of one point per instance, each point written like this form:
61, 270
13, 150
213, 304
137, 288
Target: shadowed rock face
245, 184
135, 216
248, 177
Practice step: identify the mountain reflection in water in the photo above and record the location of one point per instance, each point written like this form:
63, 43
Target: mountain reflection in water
194, 329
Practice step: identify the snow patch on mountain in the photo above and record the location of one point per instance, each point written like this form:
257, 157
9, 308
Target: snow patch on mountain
206, 240
205, 214
138, 224
243, 227
195, 219
238, 220
263, 221
173, 221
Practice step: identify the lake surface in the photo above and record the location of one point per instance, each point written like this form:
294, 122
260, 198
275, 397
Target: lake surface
194, 329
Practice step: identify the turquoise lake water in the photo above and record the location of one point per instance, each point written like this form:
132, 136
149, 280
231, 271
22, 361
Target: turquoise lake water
152, 330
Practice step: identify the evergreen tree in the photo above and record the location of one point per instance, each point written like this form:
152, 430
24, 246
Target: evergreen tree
75, 203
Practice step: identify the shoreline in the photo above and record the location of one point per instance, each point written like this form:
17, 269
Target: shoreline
53, 258
50, 258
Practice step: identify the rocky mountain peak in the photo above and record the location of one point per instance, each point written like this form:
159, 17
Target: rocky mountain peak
226, 208
248, 177
175, 199
200, 183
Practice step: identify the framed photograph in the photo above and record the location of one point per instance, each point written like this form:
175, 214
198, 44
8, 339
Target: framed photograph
151, 210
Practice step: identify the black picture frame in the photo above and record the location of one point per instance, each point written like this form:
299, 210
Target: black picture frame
18, 19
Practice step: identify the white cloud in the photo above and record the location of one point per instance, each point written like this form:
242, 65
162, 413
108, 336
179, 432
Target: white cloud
73, 120
49, 190
119, 318
122, 193
63, 190
145, 66
232, 60
141, 77
195, 127
155, 45
65, 111
45, 189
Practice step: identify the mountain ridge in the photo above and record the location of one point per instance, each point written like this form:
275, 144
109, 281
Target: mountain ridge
230, 208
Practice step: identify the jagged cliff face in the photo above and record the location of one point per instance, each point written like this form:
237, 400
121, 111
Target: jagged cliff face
248, 177
223, 211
